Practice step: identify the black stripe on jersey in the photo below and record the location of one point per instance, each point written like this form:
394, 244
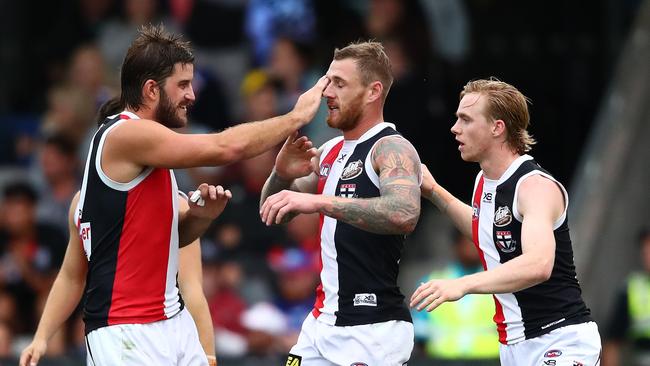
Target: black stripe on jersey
543, 306
103, 202
368, 263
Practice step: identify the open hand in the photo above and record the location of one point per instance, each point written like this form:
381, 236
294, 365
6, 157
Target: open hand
295, 159
309, 101
215, 200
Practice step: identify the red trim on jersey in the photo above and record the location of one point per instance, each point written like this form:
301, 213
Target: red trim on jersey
476, 213
141, 271
124, 116
325, 167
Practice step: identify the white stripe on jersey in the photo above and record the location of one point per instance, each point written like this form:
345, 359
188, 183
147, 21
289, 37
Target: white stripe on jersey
172, 305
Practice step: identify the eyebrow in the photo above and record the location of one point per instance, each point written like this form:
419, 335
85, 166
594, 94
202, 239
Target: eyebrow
462, 114
337, 79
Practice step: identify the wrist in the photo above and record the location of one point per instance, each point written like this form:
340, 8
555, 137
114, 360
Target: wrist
212, 360
279, 178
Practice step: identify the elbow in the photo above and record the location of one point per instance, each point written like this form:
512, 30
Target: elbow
406, 224
542, 271
230, 152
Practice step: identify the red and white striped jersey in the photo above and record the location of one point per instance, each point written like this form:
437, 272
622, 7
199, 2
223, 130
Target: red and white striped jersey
129, 233
358, 269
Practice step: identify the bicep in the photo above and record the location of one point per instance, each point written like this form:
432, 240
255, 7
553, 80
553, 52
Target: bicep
148, 143
74, 264
540, 202
398, 166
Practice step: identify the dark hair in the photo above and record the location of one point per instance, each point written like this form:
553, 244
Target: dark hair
20, 189
151, 56
109, 108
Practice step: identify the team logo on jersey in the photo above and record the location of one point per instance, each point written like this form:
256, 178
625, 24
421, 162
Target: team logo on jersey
347, 190
365, 300
505, 242
293, 360
352, 170
84, 234
475, 211
325, 170
341, 158
502, 216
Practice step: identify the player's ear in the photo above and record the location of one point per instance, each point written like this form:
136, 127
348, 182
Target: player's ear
150, 89
498, 128
375, 91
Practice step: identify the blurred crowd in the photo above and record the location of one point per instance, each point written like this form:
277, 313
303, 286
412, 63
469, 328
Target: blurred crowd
253, 59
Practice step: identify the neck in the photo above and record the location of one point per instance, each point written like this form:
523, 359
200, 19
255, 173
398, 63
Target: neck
498, 162
366, 122
144, 112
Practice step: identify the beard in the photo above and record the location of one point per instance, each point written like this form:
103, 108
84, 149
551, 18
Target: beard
167, 113
348, 118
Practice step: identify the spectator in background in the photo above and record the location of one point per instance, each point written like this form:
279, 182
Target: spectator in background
87, 71
30, 252
222, 279
58, 177
462, 332
70, 113
266, 20
629, 321
291, 66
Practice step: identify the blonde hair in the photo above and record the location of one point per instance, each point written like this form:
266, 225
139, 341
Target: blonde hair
508, 104
372, 62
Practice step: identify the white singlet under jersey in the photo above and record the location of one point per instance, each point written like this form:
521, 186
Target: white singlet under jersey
129, 233
359, 269
496, 231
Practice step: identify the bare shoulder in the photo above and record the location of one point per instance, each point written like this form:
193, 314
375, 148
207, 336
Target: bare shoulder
397, 152
540, 193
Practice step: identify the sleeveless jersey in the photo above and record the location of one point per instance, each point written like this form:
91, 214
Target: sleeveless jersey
496, 231
358, 269
129, 233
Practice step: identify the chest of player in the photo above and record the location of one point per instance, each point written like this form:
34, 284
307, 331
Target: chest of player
498, 228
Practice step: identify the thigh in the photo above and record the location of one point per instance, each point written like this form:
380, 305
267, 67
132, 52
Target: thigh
190, 351
126, 344
573, 345
387, 344
305, 351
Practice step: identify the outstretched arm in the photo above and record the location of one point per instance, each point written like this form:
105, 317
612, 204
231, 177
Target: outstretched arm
540, 203
190, 281
136, 144
395, 211
459, 212
64, 295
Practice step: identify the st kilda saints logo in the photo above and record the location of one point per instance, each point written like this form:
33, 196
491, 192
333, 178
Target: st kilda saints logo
347, 190
505, 242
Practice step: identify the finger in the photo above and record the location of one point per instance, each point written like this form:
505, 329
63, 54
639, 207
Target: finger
281, 213
204, 187
220, 191
228, 194
322, 83
417, 292
270, 201
212, 192
24, 358
291, 138
273, 211
438, 301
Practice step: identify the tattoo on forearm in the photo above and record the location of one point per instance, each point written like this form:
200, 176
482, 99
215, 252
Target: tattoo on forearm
397, 209
274, 184
395, 212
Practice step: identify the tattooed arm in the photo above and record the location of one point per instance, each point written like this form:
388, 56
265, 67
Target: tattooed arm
395, 211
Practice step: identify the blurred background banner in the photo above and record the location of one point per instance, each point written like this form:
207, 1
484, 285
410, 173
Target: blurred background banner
584, 64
